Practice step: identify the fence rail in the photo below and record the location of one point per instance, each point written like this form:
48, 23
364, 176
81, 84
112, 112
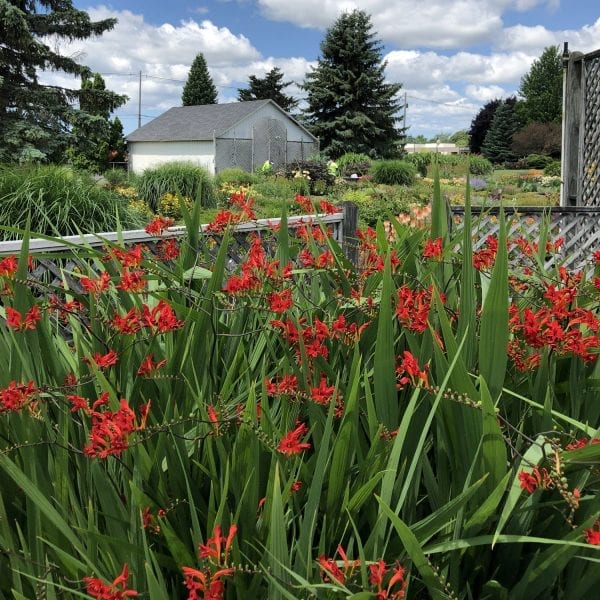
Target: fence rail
56, 260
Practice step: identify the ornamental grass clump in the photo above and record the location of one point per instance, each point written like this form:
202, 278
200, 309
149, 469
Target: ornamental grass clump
177, 178
423, 424
57, 200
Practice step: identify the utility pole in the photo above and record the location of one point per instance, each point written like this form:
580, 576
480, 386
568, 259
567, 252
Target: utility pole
140, 101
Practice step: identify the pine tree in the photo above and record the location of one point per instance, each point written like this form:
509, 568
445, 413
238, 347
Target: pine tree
199, 87
350, 107
92, 130
497, 146
480, 125
270, 87
541, 88
36, 120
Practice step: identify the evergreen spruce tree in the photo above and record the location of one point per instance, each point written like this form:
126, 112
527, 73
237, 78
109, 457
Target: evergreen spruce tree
480, 125
542, 90
350, 107
92, 132
497, 146
199, 87
270, 87
36, 120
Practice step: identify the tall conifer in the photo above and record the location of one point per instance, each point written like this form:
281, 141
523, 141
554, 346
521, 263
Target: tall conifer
350, 106
199, 87
36, 120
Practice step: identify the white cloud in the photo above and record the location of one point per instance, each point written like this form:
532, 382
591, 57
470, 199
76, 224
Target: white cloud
429, 54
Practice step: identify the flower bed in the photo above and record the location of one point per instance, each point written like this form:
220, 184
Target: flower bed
417, 426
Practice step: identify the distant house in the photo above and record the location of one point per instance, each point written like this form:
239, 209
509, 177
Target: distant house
218, 136
440, 148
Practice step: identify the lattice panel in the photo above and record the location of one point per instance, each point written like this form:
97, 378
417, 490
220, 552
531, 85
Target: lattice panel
590, 180
580, 231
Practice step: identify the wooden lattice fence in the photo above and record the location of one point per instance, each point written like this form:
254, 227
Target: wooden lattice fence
581, 129
578, 227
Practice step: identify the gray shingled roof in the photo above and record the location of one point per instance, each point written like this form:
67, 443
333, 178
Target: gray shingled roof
191, 123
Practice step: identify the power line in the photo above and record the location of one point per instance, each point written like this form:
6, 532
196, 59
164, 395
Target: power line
434, 101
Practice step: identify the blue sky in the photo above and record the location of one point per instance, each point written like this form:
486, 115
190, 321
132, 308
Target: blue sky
450, 56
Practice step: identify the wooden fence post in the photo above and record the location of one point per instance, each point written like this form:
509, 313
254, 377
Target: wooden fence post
349, 227
572, 134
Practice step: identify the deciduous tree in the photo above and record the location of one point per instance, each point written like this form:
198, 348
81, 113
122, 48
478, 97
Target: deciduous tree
350, 106
541, 88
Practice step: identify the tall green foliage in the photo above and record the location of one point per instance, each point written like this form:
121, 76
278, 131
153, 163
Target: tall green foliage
350, 106
96, 139
542, 89
269, 87
36, 119
497, 145
199, 87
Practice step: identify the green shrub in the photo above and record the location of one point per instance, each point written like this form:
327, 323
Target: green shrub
182, 178
421, 161
537, 161
315, 172
553, 169
235, 176
119, 177
354, 162
380, 203
60, 200
393, 172
479, 165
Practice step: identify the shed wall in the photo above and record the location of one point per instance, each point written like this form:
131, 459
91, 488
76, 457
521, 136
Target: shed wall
145, 155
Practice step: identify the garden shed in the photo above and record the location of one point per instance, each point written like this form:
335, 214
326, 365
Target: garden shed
219, 136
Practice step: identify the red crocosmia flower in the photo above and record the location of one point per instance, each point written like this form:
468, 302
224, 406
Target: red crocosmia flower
127, 324
377, 572
128, 258
328, 208
290, 443
78, 403
528, 482
149, 367
324, 393
210, 585
16, 321
103, 361
306, 258
117, 590
331, 570
305, 203
296, 486
95, 285
218, 546
581, 443
538, 478
592, 535
223, 219
8, 266
433, 248
596, 255
132, 281
16, 396
279, 302
168, 249
409, 371
325, 260
158, 225
162, 317
111, 429
483, 259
